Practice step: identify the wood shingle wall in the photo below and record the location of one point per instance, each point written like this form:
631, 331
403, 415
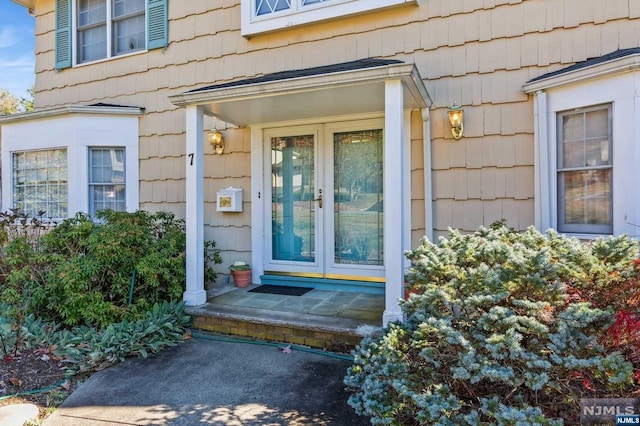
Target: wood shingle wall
478, 53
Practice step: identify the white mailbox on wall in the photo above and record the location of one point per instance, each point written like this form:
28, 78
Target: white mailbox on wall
229, 200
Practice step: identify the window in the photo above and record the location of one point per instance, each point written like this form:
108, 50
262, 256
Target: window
107, 179
72, 169
264, 7
99, 37
40, 182
585, 171
587, 146
260, 16
101, 29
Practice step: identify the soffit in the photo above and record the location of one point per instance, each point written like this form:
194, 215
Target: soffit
348, 88
31, 4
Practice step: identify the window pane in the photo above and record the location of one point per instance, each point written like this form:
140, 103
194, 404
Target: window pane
40, 182
91, 12
92, 44
270, 6
597, 153
597, 124
358, 197
587, 197
573, 127
129, 35
127, 7
573, 154
292, 194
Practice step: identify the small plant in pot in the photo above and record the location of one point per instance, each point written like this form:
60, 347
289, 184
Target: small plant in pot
241, 272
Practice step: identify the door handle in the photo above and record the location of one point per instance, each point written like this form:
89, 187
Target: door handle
319, 199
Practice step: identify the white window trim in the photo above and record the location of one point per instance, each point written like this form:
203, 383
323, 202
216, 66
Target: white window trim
253, 24
109, 46
614, 82
77, 133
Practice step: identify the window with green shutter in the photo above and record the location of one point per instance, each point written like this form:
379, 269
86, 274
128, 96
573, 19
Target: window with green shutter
91, 30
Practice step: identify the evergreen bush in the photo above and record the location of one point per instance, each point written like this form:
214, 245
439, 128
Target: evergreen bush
502, 331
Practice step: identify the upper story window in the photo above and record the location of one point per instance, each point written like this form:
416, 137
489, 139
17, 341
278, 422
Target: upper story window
264, 7
260, 16
98, 37
91, 30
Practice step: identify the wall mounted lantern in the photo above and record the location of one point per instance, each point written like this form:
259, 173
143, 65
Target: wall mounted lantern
455, 118
216, 141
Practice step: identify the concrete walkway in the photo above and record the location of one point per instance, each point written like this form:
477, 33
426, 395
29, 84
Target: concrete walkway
216, 383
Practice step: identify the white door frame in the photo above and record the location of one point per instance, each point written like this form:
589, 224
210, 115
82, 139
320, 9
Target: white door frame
397, 203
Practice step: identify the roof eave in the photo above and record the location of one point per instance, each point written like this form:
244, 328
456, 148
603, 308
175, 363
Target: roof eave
70, 109
29, 4
407, 72
604, 69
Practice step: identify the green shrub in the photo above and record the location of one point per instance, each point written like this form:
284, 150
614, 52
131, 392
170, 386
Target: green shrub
101, 271
493, 337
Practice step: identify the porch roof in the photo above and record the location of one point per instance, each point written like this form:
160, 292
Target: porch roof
346, 88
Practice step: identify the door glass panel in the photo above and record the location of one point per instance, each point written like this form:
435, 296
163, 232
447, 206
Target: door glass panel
292, 195
358, 197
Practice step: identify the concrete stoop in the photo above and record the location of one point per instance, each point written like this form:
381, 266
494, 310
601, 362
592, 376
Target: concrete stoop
328, 333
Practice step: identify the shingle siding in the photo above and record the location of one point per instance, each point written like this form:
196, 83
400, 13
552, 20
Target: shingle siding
476, 52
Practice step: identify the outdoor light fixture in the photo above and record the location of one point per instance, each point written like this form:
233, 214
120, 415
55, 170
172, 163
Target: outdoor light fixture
455, 118
216, 141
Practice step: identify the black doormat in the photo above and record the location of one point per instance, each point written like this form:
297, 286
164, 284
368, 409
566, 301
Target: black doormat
281, 289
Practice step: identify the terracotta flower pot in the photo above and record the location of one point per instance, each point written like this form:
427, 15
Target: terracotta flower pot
242, 278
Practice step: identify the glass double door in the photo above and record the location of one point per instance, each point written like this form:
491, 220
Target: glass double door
325, 187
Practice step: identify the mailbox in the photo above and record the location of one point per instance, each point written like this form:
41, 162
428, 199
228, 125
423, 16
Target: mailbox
229, 200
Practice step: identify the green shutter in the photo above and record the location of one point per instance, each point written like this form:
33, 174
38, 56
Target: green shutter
157, 24
63, 34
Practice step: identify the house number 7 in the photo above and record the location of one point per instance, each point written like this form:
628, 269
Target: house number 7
191, 159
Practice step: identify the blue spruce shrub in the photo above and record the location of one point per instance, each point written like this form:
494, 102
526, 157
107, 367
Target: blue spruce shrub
491, 337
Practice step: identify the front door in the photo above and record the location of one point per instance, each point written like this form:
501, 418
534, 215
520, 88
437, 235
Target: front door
324, 188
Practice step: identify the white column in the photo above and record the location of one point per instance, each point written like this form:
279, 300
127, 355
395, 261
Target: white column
406, 188
542, 190
428, 189
257, 205
394, 195
195, 294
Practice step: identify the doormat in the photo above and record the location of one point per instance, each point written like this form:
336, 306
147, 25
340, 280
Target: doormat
281, 289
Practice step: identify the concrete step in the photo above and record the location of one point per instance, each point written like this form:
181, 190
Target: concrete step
334, 334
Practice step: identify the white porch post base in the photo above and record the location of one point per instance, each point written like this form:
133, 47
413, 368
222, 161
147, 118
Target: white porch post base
392, 316
194, 298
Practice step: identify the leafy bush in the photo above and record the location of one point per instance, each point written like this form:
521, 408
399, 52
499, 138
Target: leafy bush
20, 238
101, 271
497, 334
87, 348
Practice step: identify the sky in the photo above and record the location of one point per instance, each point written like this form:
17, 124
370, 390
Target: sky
17, 42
